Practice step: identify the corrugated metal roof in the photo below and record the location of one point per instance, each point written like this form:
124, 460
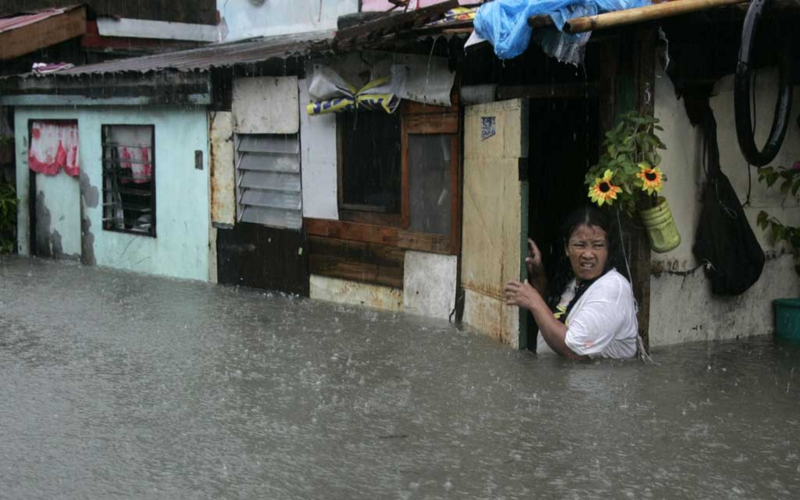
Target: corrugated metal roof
215, 55
11, 23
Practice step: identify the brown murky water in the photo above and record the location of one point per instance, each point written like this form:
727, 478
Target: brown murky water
117, 385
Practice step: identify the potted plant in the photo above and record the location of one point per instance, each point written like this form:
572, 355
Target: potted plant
628, 174
787, 311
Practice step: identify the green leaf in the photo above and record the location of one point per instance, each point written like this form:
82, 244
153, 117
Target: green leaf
778, 232
771, 179
762, 219
795, 187
785, 186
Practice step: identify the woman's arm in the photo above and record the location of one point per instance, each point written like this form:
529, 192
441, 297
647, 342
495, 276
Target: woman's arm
553, 331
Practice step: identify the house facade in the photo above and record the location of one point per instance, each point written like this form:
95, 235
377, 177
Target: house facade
265, 167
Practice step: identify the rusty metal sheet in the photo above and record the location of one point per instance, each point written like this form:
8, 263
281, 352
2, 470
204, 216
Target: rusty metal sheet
223, 197
216, 55
11, 23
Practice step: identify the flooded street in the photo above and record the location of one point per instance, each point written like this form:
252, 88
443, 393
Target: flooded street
117, 385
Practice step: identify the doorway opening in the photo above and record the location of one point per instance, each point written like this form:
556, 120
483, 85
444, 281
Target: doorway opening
564, 142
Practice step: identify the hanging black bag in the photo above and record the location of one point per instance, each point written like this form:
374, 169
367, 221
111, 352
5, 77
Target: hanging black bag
725, 242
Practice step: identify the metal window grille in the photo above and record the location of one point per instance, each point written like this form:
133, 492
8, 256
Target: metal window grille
268, 180
129, 179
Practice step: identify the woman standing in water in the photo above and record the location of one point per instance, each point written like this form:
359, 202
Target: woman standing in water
593, 313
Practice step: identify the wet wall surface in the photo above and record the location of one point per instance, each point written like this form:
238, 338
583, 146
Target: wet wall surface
118, 385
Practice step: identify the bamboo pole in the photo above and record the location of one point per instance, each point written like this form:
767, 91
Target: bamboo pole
643, 14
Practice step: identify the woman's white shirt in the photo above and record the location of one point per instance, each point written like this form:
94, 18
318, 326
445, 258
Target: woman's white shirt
602, 324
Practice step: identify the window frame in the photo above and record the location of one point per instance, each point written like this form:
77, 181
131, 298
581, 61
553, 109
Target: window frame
107, 225
366, 214
428, 120
392, 229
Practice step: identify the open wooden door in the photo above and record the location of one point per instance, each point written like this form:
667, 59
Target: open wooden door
495, 219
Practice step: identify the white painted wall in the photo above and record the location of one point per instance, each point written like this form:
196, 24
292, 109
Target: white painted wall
243, 19
704, 316
319, 172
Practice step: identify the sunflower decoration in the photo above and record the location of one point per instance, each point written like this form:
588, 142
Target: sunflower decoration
652, 178
603, 191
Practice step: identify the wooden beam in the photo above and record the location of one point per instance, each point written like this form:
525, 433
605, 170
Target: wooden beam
643, 14
381, 235
47, 32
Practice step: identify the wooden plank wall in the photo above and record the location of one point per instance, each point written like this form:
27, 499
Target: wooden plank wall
356, 261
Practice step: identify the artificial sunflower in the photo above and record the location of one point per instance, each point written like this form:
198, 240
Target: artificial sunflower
602, 191
652, 177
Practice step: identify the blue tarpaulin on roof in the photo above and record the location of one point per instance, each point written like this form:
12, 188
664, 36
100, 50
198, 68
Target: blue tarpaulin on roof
504, 23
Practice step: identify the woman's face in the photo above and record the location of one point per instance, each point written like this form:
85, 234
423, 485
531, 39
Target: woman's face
587, 250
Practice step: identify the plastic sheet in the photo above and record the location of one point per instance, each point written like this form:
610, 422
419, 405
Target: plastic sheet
504, 23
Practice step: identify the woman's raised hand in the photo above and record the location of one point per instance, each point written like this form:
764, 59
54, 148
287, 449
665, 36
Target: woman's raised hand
534, 260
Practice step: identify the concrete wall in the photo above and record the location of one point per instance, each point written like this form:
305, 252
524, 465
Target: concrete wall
280, 17
704, 316
58, 216
181, 248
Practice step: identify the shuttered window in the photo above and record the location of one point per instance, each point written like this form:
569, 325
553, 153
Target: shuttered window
268, 180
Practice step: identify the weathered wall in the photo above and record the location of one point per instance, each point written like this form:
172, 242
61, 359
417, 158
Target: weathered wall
181, 248
429, 284
179, 11
356, 294
704, 316
265, 105
281, 17
222, 159
58, 216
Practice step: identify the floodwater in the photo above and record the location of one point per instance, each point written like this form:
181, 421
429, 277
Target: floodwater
117, 385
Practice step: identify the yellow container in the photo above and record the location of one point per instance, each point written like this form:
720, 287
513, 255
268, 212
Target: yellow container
661, 227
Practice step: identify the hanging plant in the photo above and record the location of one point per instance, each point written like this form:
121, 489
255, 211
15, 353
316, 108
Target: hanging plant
628, 175
629, 162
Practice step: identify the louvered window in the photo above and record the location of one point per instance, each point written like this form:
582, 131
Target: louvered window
268, 180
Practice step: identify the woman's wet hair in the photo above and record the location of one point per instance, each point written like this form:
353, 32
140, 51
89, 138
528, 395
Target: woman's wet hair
593, 217
585, 216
